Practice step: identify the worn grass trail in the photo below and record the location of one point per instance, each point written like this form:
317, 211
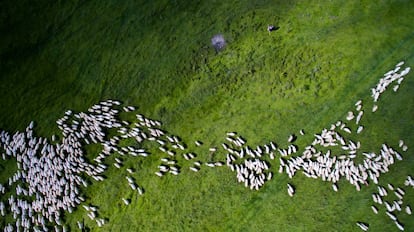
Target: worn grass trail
157, 56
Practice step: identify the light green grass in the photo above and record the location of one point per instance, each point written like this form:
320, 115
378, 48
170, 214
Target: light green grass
157, 56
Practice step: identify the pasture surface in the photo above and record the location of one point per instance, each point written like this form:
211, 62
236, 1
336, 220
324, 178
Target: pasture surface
156, 55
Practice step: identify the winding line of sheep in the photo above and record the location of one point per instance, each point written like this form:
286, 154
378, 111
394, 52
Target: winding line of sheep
49, 172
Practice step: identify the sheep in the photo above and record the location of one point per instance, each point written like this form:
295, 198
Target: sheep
395, 88
291, 190
358, 118
273, 145
174, 172
91, 215
252, 174
140, 191
391, 215
194, 169
269, 176
335, 187
160, 174
98, 222
400, 191
397, 68
382, 191
350, 116
80, 225
404, 148
405, 71
399, 225
291, 138
163, 168
363, 226
218, 164
126, 201
171, 162
231, 134
409, 181
397, 206
401, 63
389, 207
374, 209
408, 209
117, 165
347, 130
186, 156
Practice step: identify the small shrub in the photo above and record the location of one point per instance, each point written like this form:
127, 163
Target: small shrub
218, 42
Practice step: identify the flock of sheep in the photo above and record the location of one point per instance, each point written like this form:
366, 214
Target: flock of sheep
50, 172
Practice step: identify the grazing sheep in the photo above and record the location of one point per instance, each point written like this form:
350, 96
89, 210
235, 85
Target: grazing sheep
335, 187
374, 209
140, 191
391, 215
291, 190
292, 138
399, 225
408, 209
363, 226
350, 116
194, 169
395, 88
126, 201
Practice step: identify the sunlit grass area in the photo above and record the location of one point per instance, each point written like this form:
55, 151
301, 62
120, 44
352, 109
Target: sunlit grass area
157, 56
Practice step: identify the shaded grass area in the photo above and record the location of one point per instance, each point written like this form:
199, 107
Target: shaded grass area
156, 55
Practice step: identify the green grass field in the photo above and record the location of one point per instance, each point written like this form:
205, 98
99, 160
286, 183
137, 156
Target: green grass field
157, 55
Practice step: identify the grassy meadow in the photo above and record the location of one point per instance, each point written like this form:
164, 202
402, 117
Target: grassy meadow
157, 56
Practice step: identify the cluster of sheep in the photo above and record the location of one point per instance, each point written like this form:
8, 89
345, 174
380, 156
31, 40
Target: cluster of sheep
388, 79
50, 172
46, 173
251, 173
397, 203
330, 167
